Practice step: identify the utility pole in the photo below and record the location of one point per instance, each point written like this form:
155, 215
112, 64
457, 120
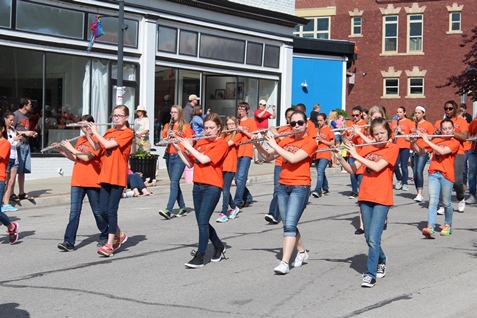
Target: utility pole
122, 27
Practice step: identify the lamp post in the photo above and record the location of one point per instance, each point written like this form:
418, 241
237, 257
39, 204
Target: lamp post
122, 27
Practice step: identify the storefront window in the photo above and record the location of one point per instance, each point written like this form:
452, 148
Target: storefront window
5, 13
272, 56
165, 97
49, 20
254, 53
110, 28
167, 39
188, 43
224, 49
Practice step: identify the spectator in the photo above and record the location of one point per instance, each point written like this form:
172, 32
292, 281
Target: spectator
189, 107
465, 114
141, 130
314, 113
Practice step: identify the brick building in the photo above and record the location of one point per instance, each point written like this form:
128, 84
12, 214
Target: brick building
405, 48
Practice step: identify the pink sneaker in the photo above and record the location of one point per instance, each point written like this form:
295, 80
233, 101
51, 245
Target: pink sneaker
118, 241
107, 250
13, 233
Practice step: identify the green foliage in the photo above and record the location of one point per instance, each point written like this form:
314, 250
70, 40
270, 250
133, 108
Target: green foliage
341, 112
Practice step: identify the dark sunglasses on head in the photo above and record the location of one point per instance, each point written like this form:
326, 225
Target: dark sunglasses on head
447, 108
300, 123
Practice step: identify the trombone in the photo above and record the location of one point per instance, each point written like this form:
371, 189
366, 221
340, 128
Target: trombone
360, 145
57, 144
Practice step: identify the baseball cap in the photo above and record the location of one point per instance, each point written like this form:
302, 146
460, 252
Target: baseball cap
263, 102
193, 97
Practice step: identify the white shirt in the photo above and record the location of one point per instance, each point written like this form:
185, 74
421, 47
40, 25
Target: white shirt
140, 125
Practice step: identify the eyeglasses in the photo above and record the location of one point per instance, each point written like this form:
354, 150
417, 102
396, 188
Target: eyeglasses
448, 108
300, 123
118, 116
355, 115
174, 113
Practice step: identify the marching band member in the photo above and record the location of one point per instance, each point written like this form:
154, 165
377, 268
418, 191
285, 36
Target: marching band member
232, 137
207, 157
441, 175
177, 127
401, 126
324, 139
294, 186
376, 193
116, 146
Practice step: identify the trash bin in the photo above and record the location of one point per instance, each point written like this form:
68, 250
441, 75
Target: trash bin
146, 165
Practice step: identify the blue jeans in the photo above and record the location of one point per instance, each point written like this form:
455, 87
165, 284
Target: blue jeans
472, 156
320, 165
77, 196
401, 165
465, 177
175, 168
227, 197
353, 178
418, 164
273, 209
374, 216
242, 195
439, 187
109, 196
135, 182
24, 159
292, 201
3, 217
205, 199
459, 173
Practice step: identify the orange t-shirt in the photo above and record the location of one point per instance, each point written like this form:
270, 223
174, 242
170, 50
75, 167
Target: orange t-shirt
188, 132
459, 125
355, 139
297, 174
114, 161
377, 187
230, 161
473, 132
249, 126
326, 134
444, 163
85, 173
405, 125
281, 130
210, 173
4, 158
311, 129
425, 127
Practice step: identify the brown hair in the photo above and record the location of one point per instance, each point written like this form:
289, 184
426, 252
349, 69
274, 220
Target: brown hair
232, 133
180, 118
216, 119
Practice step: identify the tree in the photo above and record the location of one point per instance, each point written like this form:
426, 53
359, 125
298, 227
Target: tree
466, 81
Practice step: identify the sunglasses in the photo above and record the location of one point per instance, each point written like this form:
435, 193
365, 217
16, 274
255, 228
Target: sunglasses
447, 108
300, 123
355, 115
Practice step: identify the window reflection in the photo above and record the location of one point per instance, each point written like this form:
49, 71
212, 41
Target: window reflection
5, 13
188, 43
218, 48
272, 56
167, 39
254, 53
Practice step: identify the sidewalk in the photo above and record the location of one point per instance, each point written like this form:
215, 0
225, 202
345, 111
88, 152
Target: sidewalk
56, 191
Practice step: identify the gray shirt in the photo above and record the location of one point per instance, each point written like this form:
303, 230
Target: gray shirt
188, 112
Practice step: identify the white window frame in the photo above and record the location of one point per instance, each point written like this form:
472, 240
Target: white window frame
385, 23
413, 37
409, 86
385, 86
315, 32
360, 26
451, 22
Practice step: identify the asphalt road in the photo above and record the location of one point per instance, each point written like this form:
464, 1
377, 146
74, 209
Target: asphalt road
147, 278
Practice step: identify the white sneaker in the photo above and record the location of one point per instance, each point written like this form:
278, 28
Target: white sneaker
398, 185
441, 210
282, 268
300, 259
471, 200
419, 198
404, 187
462, 206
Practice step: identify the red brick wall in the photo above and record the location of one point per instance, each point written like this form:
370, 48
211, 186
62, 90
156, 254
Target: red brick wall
442, 54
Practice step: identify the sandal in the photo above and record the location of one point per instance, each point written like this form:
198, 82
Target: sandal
14, 198
24, 196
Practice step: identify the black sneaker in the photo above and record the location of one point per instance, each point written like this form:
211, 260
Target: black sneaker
66, 246
219, 253
315, 194
326, 192
182, 212
381, 271
359, 231
166, 214
368, 281
271, 219
353, 195
196, 262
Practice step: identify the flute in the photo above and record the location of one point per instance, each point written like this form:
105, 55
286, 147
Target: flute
168, 142
56, 144
473, 138
360, 145
348, 128
87, 124
252, 141
417, 136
